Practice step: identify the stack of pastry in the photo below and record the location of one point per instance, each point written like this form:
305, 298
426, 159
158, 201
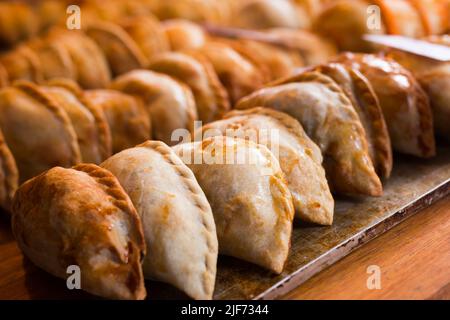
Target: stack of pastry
78, 109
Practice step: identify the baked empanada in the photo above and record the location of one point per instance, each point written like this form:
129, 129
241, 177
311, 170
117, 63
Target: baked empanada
404, 103
251, 203
82, 217
121, 51
92, 68
365, 102
300, 158
211, 98
9, 175
211, 11
37, 130
4, 81
169, 103
178, 223
126, 116
330, 120
18, 22
238, 74
91, 127
263, 14
346, 21
434, 77
183, 34
148, 34
434, 14
22, 63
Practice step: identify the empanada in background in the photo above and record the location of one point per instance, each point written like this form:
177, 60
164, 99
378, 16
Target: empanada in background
9, 175
18, 22
237, 73
37, 130
148, 34
434, 77
22, 63
183, 34
4, 81
92, 70
250, 200
91, 127
365, 102
330, 120
264, 14
346, 21
169, 103
126, 116
178, 223
82, 217
300, 158
405, 105
121, 51
211, 98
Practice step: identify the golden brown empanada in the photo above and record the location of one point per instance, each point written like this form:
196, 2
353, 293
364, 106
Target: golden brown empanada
9, 175
211, 98
18, 22
365, 102
37, 130
330, 120
434, 14
22, 63
91, 127
300, 158
169, 103
126, 116
82, 217
183, 34
4, 81
148, 34
346, 21
251, 203
92, 68
404, 103
211, 11
54, 59
263, 14
434, 77
238, 74
178, 223
121, 51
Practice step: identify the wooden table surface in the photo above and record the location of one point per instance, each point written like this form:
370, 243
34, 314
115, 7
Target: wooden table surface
414, 259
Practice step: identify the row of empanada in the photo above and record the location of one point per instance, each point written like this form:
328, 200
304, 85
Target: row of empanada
145, 206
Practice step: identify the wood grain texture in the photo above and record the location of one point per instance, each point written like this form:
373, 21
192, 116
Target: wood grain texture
414, 259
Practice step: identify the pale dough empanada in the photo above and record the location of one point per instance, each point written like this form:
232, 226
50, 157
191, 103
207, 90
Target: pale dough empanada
238, 74
91, 127
169, 103
183, 34
365, 102
126, 116
82, 217
37, 130
9, 175
211, 98
178, 223
250, 200
404, 103
330, 120
300, 158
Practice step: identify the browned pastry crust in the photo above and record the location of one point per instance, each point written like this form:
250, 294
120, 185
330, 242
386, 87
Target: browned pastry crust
102, 137
183, 34
3, 76
22, 64
126, 116
121, 51
197, 72
83, 217
9, 175
365, 102
37, 130
17, 22
404, 103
